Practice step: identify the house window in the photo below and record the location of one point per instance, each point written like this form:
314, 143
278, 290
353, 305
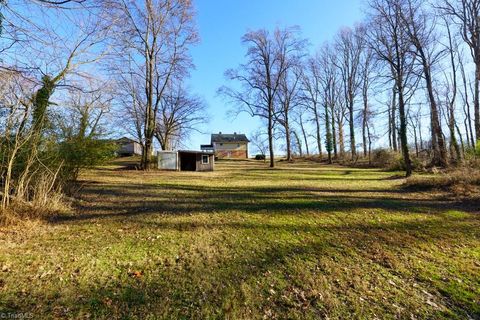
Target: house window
205, 159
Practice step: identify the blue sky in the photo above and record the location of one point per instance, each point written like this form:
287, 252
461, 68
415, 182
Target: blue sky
221, 25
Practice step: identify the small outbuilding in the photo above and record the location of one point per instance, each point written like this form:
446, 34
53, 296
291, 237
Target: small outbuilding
128, 147
186, 160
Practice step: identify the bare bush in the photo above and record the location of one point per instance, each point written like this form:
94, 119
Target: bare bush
461, 182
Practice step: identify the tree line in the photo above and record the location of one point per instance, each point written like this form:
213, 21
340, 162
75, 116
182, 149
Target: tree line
409, 68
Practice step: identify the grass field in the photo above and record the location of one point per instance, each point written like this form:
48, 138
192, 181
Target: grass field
246, 242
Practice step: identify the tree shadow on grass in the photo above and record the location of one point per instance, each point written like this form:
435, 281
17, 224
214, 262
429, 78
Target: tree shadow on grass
117, 201
193, 287
196, 288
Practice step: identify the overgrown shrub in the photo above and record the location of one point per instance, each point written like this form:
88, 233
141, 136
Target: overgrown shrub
36, 180
464, 181
393, 161
387, 159
260, 157
81, 153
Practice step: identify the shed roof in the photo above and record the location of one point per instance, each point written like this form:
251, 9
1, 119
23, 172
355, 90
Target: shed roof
236, 137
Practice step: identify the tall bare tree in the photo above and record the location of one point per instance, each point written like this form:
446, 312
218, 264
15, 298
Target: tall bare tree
367, 77
268, 59
180, 113
466, 102
349, 46
312, 96
157, 34
328, 80
451, 94
300, 121
392, 45
288, 100
466, 14
420, 27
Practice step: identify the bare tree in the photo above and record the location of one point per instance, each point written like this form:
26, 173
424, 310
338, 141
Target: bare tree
259, 140
466, 14
85, 112
367, 77
451, 94
392, 45
180, 113
261, 76
289, 99
51, 58
312, 96
349, 46
466, 103
329, 81
156, 35
420, 28
300, 121
15, 110
339, 113
129, 98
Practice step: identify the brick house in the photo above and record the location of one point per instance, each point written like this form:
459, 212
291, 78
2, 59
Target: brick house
228, 146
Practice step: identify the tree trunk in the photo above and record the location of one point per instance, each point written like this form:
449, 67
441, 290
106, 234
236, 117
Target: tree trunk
299, 143
466, 107
334, 136
304, 134
341, 140
419, 125
318, 131
461, 140
270, 135
403, 129
364, 125
369, 145
353, 148
465, 123
453, 138
476, 105
328, 136
417, 152
438, 142
393, 124
288, 140
390, 140
149, 117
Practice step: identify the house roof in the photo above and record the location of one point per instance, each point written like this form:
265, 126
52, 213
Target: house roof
236, 137
125, 140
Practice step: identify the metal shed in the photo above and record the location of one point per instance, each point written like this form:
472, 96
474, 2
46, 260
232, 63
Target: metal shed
167, 160
185, 160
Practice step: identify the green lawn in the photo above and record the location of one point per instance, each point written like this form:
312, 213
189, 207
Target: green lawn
244, 242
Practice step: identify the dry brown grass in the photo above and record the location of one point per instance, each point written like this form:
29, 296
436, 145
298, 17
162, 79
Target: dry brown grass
40, 207
463, 182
